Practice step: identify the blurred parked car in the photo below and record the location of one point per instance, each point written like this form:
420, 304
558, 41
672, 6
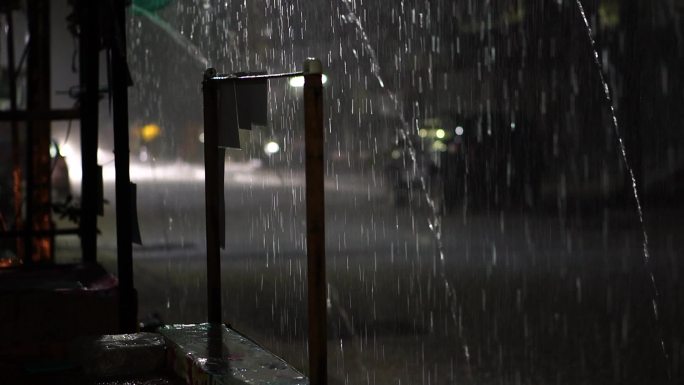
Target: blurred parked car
491, 163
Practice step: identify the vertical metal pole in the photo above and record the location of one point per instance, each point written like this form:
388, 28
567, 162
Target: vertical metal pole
89, 47
38, 200
16, 162
211, 196
315, 221
128, 299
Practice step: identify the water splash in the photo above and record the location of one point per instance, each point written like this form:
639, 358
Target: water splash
435, 219
635, 191
404, 131
190, 48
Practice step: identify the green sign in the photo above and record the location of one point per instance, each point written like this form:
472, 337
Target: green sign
151, 5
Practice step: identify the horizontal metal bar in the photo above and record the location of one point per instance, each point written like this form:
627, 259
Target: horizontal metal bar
248, 77
38, 233
64, 114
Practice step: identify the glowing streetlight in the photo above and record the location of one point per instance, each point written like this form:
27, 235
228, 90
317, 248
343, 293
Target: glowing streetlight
150, 131
298, 81
271, 148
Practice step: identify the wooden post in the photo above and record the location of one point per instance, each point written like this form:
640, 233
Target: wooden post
315, 221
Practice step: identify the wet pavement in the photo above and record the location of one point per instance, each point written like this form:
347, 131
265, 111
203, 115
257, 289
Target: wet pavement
521, 296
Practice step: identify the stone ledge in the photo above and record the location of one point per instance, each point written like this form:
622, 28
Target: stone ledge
205, 354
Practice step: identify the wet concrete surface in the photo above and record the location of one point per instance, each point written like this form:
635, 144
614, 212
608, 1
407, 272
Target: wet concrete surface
544, 296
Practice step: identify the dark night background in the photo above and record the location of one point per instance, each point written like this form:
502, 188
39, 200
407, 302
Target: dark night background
481, 221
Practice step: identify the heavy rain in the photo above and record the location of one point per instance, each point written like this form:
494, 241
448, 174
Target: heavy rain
503, 184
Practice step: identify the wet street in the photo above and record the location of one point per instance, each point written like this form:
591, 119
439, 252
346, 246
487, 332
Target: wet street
537, 295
